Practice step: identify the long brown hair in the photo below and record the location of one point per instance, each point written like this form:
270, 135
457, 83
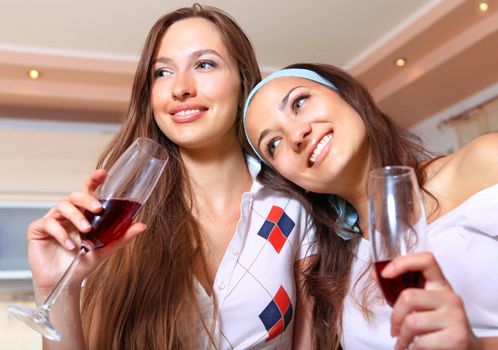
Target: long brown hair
144, 296
328, 278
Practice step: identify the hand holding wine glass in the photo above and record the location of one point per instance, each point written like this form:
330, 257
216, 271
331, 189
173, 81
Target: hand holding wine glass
396, 225
104, 218
52, 239
431, 317
429, 313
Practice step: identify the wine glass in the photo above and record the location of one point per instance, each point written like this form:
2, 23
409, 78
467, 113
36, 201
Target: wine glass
397, 223
127, 186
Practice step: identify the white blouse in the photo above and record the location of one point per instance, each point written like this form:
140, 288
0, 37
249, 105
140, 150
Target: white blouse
254, 286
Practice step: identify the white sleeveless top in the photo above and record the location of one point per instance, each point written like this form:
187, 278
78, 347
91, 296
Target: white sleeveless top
465, 244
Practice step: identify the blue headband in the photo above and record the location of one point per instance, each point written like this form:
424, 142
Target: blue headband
288, 72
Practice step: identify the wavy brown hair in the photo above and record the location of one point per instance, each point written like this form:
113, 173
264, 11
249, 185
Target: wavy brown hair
143, 296
328, 278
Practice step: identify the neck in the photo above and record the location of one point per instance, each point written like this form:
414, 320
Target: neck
361, 206
217, 171
353, 188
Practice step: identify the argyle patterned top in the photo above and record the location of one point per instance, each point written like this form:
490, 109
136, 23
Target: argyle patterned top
254, 286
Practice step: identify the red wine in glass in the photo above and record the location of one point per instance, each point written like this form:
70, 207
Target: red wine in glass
392, 287
111, 222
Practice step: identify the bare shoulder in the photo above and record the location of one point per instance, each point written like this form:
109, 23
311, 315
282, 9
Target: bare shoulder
478, 160
455, 178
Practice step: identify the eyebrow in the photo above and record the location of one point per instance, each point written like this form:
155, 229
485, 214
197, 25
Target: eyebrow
285, 100
193, 55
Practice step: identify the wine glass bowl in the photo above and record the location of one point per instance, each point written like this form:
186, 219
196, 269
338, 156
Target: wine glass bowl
127, 186
115, 217
396, 224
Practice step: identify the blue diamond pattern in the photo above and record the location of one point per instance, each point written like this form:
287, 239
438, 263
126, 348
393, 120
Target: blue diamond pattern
270, 315
286, 224
288, 316
265, 230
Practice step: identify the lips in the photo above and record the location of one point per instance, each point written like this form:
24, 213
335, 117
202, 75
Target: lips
319, 148
187, 113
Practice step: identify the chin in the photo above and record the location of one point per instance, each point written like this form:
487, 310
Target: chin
312, 187
319, 190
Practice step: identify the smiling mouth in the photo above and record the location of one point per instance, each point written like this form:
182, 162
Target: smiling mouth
187, 112
319, 148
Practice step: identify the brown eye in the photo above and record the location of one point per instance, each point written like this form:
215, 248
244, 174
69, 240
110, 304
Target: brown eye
272, 146
206, 65
299, 101
162, 73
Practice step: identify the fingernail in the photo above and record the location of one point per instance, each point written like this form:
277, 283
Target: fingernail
96, 205
389, 269
84, 224
70, 244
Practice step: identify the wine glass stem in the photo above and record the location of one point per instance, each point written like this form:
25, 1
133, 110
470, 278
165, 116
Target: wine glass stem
47, 305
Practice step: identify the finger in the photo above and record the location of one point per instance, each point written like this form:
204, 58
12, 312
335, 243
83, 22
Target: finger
373, 275
74, 215
75, 237
455, 338
85, 200
94, 180
435, 340
54, 229
36, 229
419, 323
413, 300
424, 262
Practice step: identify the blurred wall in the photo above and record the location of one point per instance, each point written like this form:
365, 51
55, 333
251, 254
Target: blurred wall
39, 163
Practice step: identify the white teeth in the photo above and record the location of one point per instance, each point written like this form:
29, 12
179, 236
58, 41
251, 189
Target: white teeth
188, 111
321, 145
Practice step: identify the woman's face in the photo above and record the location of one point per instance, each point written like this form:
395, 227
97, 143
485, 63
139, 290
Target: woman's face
308, 133
196, 86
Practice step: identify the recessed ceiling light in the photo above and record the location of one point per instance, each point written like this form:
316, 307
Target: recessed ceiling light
483, 6
34, 74
400, 61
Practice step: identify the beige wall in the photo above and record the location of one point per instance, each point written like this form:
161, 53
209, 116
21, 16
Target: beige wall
37, 165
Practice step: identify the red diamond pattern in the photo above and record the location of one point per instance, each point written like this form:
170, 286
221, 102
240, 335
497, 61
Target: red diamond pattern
277, 239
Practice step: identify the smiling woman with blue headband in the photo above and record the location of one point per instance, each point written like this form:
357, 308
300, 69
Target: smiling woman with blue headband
318, 133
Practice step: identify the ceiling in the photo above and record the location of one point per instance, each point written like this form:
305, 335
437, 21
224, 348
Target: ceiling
87, 51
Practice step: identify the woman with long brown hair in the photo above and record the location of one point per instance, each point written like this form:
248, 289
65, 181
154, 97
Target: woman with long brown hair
218, 264
318, 133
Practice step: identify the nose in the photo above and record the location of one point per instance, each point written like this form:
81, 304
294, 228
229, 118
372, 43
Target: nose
298, 134
183, 86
